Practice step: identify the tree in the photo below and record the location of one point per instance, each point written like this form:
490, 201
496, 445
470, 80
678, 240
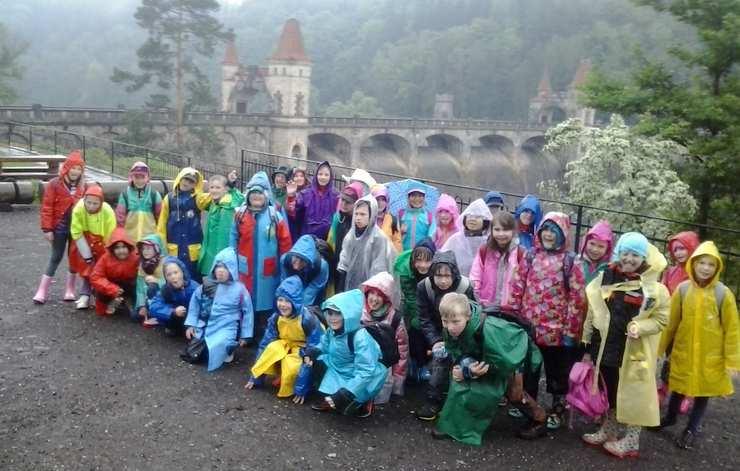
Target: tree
616, 168
697, 106
177, 30
360, 105
10, 70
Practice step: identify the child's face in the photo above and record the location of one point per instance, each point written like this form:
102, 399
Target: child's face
422, 266
454, 324
346, 206
297, 263
280, 181
680, 252
257, 200
147, 251
92, 204
285, 308
334, 319
444, 218
704, 268
501, 236
630, 261
174, 276
187, 184
549, 239
121, 250
362, 216
299, 178
217, 189
222, 274
416, 199
139, 180
493, 207
374, 300
382, 203
473, 223
74, 173
323, 176
443, 277
596, 249
527, 217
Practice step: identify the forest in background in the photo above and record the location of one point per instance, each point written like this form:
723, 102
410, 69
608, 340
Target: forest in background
369, 56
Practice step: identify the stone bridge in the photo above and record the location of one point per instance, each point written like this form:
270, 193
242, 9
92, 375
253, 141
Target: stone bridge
483, 152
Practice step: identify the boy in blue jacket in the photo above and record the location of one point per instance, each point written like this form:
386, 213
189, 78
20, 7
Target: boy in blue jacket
170, 303
354, 375
305, 261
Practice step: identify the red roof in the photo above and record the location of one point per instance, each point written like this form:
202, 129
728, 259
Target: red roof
583, 69
290, 46
544, 87
230, 56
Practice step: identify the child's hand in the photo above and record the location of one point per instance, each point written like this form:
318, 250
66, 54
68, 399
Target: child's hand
587, 358
308, 361
232, 176
243, 343
479, 368
143, 312
298, 399
457, 373
120, 293
633, 330
190, 333
250, 384
180, 311
49, 236
149, 279
291, 188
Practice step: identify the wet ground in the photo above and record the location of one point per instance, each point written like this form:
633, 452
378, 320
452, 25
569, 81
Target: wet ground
79, 392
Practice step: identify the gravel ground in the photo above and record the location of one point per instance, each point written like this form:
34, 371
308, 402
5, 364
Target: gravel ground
79, 392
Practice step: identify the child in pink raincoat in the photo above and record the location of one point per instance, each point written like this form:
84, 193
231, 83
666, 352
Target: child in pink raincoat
596, 250
448, 219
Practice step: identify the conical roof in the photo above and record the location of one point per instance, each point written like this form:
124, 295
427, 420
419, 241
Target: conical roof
290, 45
544, 87
583, 69
230, 56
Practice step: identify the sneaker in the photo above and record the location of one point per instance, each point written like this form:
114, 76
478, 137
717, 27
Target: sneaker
503, 402
664, 422
321, 406
516, 413
554, 421
427, 412
83, 302
366, 410
686, 440
229, 358
150, 322
534, 431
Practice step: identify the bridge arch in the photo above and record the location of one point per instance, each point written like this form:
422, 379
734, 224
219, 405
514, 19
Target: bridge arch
231, 146
534, 144
386, 151
497, 142
448, 143
329, 146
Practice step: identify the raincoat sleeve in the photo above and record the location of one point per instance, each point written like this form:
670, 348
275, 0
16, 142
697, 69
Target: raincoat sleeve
160, 309
674, 319
247, 315
157, 204
271, 334
519, 284
194, 308
142, 291
285, 242
77, 224
203, 199
731, 330
425, 307
399, 369
164, 215
316, 285
658, 319
47, 208
476, 274
100, 282
366, 362
234, 232
121, 209
432, 227
314, 332
576, 302
344, 261
109, 221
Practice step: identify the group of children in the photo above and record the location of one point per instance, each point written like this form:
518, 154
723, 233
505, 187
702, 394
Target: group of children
351, 303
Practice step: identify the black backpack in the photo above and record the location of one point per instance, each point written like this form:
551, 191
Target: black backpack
385, 336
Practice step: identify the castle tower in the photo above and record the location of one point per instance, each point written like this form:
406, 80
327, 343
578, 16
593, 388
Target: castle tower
550, 107
229, 70
586, 115
288, 80
444, 106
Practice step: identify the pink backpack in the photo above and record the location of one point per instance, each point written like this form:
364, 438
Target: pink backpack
581, 396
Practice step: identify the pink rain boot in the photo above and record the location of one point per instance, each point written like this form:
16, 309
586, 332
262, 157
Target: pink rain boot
42, 294
70, 290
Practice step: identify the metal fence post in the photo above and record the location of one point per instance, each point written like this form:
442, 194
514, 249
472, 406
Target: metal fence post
30, 139
112, 154
84, 148
579, 221
241, 169
55, 142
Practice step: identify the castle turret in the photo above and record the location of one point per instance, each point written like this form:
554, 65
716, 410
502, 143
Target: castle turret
586, 115
229, 70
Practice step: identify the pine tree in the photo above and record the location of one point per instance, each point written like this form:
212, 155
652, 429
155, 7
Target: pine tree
177, 29
10, 70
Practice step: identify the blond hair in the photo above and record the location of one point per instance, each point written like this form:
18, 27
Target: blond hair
454, 305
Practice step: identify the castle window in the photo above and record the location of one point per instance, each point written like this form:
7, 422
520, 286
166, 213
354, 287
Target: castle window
299, 104
241, 107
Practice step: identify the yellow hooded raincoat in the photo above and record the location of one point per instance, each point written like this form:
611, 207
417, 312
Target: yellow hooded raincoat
706, 344
637, 395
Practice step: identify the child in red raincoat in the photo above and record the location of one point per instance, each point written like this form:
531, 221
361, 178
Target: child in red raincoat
114, 275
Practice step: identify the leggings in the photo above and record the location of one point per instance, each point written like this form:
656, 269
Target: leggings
697, 412
58, 246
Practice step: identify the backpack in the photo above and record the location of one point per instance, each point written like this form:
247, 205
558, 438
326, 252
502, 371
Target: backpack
385, 336
568, 263
462, 287
719, 295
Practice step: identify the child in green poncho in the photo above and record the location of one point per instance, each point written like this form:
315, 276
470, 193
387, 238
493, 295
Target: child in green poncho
485, 353
225, 199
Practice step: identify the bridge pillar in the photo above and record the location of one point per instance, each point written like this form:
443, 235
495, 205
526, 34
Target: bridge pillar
354, 155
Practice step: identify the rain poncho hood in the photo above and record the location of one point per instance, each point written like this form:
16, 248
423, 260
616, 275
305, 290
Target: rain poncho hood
384, 283
155, 241
526, 234
189, 171
466, 247
563, 222
350, 305
291, 289
96, 191
631, 242
305, 249
364, 178
315, 206
442, 234
602, 231
119, 235
688, 239
227, 258
170, 259
445, 258
705, 248
494, 197
74, 158
674, 275
260, 183
138, 168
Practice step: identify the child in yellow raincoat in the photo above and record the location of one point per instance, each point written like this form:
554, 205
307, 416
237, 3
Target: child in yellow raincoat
703, 338
627, 311
290, 330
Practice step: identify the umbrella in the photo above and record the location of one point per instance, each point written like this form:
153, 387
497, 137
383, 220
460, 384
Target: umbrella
398, 194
